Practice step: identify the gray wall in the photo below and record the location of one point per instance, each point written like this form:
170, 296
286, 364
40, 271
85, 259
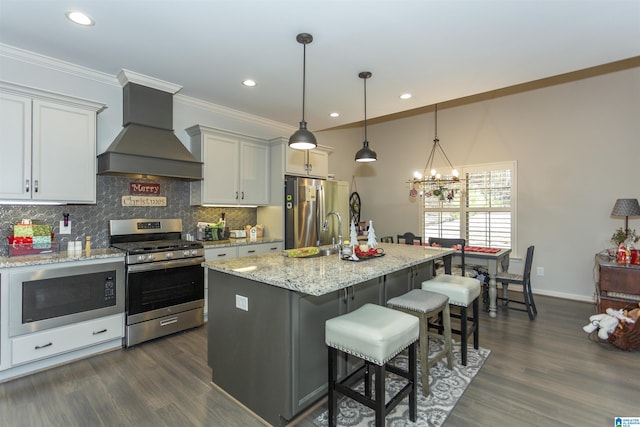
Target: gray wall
577, 151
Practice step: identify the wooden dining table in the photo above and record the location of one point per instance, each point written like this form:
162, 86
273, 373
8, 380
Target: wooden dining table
494, 260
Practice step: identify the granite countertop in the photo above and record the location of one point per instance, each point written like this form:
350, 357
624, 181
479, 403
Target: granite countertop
238, 242
60, 257
325, 274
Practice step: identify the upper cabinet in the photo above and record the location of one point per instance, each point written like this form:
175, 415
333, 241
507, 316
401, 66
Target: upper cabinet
48, 146
235, 170
313, 163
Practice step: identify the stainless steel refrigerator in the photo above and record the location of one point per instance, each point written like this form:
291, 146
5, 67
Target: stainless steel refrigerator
307, 203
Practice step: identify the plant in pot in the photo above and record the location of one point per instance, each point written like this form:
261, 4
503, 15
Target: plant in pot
621, 236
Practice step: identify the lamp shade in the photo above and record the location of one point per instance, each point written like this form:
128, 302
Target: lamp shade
302, 139
626, 207
366, 154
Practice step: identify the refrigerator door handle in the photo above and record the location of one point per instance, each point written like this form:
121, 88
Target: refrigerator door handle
321, 211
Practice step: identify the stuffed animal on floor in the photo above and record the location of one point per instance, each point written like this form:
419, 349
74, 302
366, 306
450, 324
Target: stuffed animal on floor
606, 323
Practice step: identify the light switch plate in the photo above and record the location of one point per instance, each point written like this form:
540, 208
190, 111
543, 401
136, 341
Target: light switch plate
63, 229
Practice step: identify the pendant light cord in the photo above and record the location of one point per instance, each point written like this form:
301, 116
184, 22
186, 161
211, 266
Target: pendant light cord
365, 110
304, 76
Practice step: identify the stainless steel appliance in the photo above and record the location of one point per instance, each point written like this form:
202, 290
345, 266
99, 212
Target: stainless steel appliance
308, 201
44, 298
164, 277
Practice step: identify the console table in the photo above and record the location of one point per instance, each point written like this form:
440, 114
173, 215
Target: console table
618, 285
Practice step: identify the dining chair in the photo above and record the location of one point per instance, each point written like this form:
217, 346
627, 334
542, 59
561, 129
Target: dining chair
463, 292
523, 279
409, 238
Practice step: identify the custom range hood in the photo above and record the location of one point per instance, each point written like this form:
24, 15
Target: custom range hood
147, 146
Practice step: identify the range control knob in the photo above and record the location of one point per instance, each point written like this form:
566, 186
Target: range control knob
194, 252
150, 257
169, 255
140, 258
185, 253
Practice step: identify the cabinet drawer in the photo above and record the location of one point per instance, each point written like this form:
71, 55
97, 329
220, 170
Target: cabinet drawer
620, 279
259, 249
213, 254
48, 343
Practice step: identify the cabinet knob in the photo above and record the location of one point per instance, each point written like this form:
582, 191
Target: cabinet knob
35, 185
27, 186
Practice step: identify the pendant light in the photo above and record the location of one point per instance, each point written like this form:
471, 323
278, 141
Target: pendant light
365, 154
302, 139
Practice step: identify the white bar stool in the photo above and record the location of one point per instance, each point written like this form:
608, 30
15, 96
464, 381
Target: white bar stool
425, 305
376, 335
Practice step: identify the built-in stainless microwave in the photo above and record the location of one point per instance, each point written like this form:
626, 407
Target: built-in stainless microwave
49, 296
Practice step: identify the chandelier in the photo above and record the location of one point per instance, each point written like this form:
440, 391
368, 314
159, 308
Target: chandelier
435, 184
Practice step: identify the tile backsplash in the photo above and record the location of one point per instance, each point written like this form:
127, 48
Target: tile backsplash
93, 220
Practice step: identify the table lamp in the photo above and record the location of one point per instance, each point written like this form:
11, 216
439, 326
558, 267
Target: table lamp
626, 208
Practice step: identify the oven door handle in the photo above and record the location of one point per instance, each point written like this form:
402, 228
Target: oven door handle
137, 268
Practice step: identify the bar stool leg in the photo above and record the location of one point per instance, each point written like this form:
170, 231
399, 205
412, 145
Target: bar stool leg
463, 334
446, 322
332, 398
476, 329
413, 377
424, 352
380, 395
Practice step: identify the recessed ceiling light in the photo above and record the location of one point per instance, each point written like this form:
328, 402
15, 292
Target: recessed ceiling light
249, 83
80, 18
405, 96
334, 114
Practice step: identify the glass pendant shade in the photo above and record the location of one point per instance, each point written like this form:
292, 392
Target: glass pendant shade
302, 139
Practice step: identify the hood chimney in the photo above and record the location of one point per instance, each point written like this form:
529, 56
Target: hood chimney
147, 145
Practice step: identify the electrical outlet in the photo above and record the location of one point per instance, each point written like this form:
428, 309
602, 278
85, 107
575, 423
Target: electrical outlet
63, 229
540, 271
242, 302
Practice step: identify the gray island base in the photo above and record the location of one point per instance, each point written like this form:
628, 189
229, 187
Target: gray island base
267, 314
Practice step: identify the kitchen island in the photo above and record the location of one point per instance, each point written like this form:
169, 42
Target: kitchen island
266, 320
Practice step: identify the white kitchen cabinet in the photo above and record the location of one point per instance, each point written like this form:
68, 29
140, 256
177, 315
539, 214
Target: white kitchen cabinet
235, 168
259, 249
38, 345
48, 146
313, 163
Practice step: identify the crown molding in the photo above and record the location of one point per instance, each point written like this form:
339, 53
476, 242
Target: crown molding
58, 65
234, 114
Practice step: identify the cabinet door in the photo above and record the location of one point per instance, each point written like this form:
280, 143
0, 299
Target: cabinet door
254, 173
318, 163
221, 170
15, 147
295, 161
64, 153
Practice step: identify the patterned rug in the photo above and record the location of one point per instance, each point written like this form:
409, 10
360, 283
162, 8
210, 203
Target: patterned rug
446, 389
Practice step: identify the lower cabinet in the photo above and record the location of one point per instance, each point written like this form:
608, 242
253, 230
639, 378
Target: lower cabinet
277, 340
227, 252
38, 345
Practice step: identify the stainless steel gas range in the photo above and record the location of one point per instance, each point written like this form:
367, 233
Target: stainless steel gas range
164, 277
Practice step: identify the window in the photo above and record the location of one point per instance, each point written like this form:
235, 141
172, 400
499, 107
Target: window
481, 210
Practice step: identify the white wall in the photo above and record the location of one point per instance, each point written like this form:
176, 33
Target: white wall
38, 71
577, 151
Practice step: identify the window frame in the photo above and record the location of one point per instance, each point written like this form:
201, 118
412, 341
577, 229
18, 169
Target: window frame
463, 209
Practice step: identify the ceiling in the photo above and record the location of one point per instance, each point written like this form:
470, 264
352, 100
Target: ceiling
438, 50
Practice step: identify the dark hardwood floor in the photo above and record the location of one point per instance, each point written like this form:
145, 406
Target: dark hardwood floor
541, 373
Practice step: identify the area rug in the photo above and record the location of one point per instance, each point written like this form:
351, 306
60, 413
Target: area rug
446, 389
